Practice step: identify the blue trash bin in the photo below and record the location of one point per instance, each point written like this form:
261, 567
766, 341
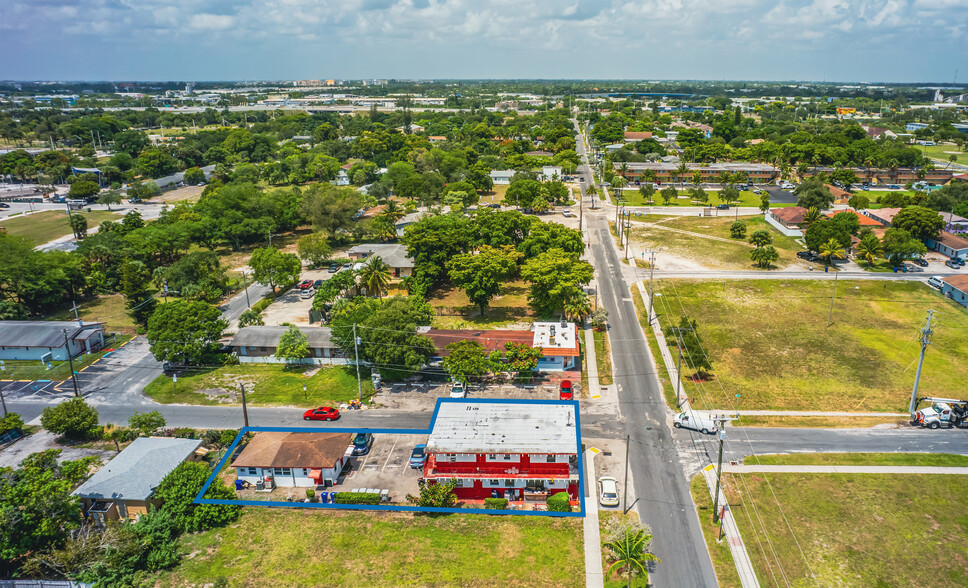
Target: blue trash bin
332, 497
238, 484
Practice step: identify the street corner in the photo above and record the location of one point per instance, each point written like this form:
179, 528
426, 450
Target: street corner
609, 458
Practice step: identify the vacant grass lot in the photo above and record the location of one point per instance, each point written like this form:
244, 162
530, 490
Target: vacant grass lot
853, 530
455, 311
282, 547
603, 358
42, 227
713, 253
872, 459
723, 562
770, 346
106, 308
265, 385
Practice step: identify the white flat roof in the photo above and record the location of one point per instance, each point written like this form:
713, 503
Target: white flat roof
486, 427
564, 336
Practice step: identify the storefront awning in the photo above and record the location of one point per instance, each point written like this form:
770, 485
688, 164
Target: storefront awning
316, 474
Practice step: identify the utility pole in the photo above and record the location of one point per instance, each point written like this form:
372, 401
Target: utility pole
832, 294
625, 501
246, 288
245, 409
679, 376
925, 338
70, 361
628, 232
2, 401
356, 352
719, 470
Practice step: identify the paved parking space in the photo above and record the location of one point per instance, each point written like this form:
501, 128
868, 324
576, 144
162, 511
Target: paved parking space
387, 466
423, 396
291, 307
35, 390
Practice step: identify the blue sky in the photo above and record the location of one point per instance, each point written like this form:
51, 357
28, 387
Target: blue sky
849, 40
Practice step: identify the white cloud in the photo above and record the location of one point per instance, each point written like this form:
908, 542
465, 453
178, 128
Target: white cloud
211, 22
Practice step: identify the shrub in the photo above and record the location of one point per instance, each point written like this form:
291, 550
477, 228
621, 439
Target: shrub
496, 503
146, 423
738, 230
559, 502
182, 433
11, 422
311, 494
357, 498
74, 419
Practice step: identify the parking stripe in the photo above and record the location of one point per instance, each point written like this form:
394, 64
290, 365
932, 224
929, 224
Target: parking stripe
390, 454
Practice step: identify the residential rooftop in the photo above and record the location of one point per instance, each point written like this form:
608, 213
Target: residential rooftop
134, 473
42, 333
273, 449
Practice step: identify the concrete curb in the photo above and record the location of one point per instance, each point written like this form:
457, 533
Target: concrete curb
594, 577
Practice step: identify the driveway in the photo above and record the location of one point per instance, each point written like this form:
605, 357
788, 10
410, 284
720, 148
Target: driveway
778, 196
291, 307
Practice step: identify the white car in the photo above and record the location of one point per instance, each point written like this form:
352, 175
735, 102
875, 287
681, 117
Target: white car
566, 213
608, 491
696, 422
457, 390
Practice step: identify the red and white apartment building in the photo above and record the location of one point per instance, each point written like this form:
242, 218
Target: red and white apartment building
517, 451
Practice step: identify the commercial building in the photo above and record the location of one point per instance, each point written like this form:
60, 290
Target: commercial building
294, 460
665, 172
45, 340
558, 342
517, 451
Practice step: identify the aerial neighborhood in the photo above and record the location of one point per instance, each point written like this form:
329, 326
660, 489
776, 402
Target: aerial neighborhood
393, 332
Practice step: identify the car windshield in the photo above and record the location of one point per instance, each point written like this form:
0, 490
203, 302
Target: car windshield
609, 495
360, 439
417, 452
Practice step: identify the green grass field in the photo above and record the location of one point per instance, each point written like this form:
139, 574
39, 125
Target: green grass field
634, 198
42, 227
723, 563
873, 459
770, 346
106, 308
713, 253
35, 370
853, 530
455, 311
942, 152
310, 547
265, 385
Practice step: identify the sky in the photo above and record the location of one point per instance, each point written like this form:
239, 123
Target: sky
204, 40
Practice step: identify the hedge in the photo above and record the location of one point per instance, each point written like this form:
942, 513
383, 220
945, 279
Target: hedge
559, 502
357, 498
496, 503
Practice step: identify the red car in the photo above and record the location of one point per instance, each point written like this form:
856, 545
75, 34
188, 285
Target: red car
566, 392
323, 413
306, 284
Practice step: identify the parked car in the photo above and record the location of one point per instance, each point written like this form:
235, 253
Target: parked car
348, 265
4, 205
323, 413
495, 205
935, 282
457, 390
808, 255
134, 200
913, 268
305, 284
722, 206
333, 268
362, 443
306, 294
418, 457
566, 392
953, 263
696, 422
920, 261
566, 213
608, 491
317, 284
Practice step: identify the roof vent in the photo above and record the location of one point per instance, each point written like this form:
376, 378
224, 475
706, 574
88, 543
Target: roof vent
564, 324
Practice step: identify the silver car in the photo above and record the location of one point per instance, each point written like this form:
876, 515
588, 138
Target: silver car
608, 491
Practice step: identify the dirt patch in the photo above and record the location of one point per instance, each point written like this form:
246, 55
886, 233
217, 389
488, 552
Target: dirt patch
179, 194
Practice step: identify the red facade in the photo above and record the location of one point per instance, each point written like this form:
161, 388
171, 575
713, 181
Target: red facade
512, 476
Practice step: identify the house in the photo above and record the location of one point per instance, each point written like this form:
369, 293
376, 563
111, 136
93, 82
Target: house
342, 178
636, 136
787, 220
124, 487
294, 460
614, 147
394, 254
865, 221
407, 220
558, 342
549, 172
257, 344
44, 340
540, 153
955, 223
949, 244
502, 177
436, 138
517, 451
173, 181
840, 195
882, 215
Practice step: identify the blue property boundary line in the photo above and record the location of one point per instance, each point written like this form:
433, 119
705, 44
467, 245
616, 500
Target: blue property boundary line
238, 439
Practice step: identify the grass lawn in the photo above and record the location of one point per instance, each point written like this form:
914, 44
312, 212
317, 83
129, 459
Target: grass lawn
495, 196
714, 253
854, 530
603, 357
285, 242
265, 385
723, 563
668, 391
880, 266
42, 227
872, 459
455, 311
619, 577
942, 152
634, 198
35, 370
770, 346
830, 422
106, 308
304, 547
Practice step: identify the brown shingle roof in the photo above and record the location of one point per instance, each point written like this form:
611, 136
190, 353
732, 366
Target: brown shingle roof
953, 241
791, 215
293, 450
637, 135
960, 282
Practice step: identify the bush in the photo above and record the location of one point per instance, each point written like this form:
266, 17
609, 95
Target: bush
182, 433
177, 493
11, 422
311, 494
74, 419
496, 503
559, 502
146, 423
357, 498
261, 305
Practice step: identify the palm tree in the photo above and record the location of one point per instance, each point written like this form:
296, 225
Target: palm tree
376, 276
830, 250
870, 248
578, 307
812, 215
724, 178
681, 171
697, 178
629, 552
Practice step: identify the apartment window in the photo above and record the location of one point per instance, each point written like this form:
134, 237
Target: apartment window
494, 482
251, 472
282, 471
509, 483
550, 458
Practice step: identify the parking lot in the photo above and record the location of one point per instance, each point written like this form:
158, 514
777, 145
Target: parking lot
386, 466
35, 390
291, 307
423, 396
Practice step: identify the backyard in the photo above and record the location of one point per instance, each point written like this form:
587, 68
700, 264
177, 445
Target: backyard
851, 529
770, 346
707, 240
298, 547
107, 308
41, 227
265, 385
455, 311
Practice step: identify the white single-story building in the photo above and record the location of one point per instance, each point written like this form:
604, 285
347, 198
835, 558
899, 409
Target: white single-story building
257, 344
949, 244
294, 460
549, 172
32, 340
342, 178
502, 177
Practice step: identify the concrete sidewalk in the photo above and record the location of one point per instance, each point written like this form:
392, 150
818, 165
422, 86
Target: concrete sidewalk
594, 576
744, 566
591, 363
816, 413
843, 469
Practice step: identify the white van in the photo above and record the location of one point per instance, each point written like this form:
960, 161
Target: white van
935, 282
695, 421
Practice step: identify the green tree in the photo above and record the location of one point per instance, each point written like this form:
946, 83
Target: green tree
811, 216
870, 248
629, 552
686, 336
731, 194
185, 330
314, 249
830, 250
194, 176
140, 304
922, 223
375, 276
74, 419
761, 238
109, 197
465, 360
578, 307
668, 194
764, 201
647, 191
737, 230
272, 267
177, 492
78, 223
146, 423
250, 318
439, 495
330, 208
822, 231
811, 193
555, 277
899, 245
859, 202
293, 345
480, 275
765, 256
84, 189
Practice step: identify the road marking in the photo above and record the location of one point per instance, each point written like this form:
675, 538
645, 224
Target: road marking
390, 454
594, 450
709, 468
596, 397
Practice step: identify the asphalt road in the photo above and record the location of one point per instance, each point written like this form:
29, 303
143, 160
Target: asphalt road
233, 309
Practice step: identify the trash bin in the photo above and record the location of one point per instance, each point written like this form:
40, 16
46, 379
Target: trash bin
239, 484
